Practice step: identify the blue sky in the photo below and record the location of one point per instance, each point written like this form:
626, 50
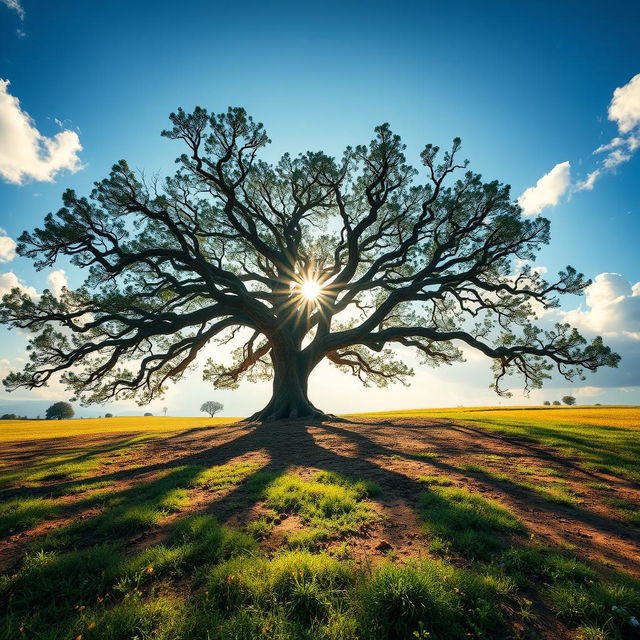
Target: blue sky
527, 86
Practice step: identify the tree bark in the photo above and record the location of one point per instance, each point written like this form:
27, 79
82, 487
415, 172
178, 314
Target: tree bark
289, 400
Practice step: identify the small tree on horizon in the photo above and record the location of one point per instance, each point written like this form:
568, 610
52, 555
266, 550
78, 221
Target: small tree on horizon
556, 403
568, 400
308, 259
212, 407
60, 411
164, 410
546, 403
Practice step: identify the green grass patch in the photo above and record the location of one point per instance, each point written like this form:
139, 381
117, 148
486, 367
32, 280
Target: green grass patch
575, 592
330, 504
629, 510
20, 513
435, 480
224, 476
556, 491
465, 522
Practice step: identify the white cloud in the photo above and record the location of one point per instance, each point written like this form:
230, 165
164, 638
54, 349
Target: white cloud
613, 307
587, 392
616, 157
7, 247
10, 280
587, 185
624, 108
15, 6
57, 280
24, 152
547, 191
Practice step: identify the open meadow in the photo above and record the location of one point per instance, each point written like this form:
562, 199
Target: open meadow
441, 524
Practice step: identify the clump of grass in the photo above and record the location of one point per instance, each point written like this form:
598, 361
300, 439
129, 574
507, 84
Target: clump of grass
601, 486
426, 454
309, 586
629, 510
574, 590
259, 528
223, 476
430, 599
51, 584
435, 480
330, 504
81, 487
20, 513
472, 467
363, 488
157, 617
464, 521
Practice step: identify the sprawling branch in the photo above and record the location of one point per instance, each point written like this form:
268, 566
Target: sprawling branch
231, 245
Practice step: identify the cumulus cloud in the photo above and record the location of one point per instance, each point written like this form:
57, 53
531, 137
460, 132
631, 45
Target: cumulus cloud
613, 307
27, 154
57, 281
10, 280
15, 6
612, 310
547, 191
624, 110
7, 247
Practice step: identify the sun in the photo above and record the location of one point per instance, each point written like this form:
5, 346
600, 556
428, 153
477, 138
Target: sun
310, 289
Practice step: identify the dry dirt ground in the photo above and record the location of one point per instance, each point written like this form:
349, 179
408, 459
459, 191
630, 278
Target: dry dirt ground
390, 452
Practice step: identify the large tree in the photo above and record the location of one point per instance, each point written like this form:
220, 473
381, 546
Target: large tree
310, 258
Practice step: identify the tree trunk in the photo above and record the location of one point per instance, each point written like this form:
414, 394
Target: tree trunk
289, 400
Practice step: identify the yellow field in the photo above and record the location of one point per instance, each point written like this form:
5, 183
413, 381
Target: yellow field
11, 430
624, 416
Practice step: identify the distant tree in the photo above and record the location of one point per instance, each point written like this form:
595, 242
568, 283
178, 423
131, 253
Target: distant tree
164, 410
60, 411
9, 416
310, 258
212, 407
546, 403
108, 415
148, 414
556, 403
568, 400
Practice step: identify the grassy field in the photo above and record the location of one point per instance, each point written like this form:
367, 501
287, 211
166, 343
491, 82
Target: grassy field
11, 430
432, 525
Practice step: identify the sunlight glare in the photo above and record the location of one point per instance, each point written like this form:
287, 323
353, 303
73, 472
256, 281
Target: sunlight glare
310, 289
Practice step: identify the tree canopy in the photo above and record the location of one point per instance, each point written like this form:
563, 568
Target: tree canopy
60, 411
290, 263
211, 407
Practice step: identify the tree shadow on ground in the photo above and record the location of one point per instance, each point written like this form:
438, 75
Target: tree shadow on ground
351, 449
